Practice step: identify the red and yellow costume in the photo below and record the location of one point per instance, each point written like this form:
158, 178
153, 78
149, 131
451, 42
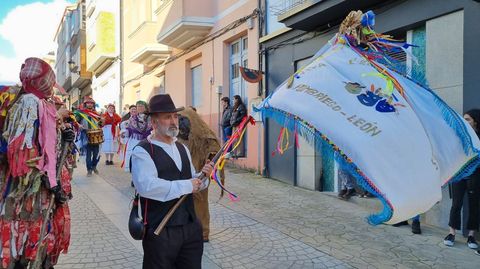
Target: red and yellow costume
28, 171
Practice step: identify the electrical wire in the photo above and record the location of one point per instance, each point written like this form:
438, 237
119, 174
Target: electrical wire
209, 38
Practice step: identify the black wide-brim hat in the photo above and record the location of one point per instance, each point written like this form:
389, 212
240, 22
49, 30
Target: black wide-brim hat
162, 103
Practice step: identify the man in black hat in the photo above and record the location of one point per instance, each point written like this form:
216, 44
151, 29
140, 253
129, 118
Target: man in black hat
180, 244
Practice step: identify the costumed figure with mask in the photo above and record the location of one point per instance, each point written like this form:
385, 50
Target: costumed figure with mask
34, 180
203, 145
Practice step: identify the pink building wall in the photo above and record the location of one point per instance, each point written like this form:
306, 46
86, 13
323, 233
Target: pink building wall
214, 57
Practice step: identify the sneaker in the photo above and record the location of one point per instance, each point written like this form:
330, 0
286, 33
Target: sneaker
471, 243
111, 162
89, 173
342, 193
449, 241
107, 162
416, 227
477, 252
95, 171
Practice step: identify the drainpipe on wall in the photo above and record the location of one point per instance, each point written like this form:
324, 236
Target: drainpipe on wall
260, 92
120, 105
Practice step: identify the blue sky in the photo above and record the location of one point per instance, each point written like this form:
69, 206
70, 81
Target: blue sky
27, 29
5, 7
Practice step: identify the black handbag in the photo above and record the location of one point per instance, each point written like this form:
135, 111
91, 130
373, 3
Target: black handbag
136, 224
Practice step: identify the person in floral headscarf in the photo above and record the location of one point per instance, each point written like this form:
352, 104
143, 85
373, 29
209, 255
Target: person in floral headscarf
110, 133
139, 128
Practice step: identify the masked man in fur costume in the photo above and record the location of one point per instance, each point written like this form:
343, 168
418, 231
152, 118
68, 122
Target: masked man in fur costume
35, 183
203, 144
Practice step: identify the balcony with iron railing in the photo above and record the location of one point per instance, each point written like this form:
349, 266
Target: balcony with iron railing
286, 8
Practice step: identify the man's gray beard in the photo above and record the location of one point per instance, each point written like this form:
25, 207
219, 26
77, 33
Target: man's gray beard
169, 131
172, 133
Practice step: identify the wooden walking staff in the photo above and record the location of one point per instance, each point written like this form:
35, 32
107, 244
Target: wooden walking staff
204, 177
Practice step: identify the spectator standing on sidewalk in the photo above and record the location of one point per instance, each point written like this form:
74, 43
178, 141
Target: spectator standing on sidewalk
180, 244
470, 186
226, 116
239, 111
347, 184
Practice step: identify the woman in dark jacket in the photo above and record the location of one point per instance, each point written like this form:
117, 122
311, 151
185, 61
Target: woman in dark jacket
239, 111
226, 116
469, 185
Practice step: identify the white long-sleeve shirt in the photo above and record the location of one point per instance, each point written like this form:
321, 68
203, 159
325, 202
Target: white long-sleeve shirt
145, 176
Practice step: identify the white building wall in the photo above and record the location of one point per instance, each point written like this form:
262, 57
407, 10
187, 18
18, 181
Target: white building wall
444, 70
106, 86
445, 58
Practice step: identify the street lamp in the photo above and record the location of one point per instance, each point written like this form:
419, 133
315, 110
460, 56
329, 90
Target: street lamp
73, 67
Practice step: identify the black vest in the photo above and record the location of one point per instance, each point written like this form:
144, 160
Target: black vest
167, 169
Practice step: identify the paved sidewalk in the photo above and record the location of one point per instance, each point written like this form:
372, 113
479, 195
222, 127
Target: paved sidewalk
274, 225
338, 228
96, 242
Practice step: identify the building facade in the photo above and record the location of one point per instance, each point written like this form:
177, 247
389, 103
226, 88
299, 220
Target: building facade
141, 52
193, 50
71, 57
445, 32
103, 51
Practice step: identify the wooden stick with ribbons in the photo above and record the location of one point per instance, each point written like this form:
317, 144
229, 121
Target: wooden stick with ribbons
203, 177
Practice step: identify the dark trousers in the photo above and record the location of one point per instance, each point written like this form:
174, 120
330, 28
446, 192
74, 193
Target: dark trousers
92, 156
177, 247
470, 186
227, 132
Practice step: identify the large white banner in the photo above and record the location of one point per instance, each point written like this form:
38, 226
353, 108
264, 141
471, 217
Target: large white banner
397, 144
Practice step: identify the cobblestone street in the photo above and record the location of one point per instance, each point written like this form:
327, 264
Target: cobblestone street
274, 225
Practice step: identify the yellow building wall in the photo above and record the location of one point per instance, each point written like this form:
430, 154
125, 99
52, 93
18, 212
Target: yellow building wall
104, 38
106, 32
